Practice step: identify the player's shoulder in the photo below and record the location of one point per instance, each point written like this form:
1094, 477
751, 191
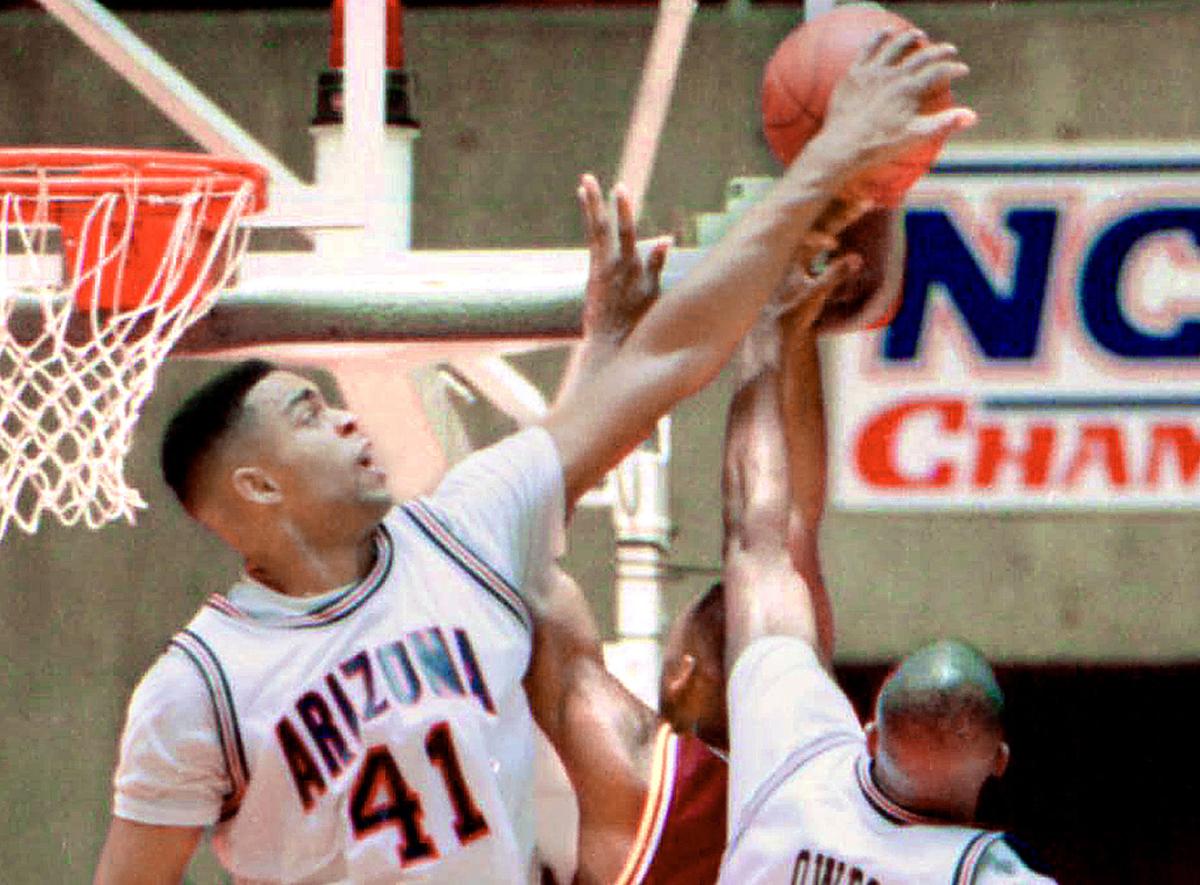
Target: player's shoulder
518, 453
1008, 862
171, 686
779, 679
171, 673
483, 493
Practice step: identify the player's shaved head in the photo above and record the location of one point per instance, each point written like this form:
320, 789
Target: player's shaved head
938, 732
946, 690
199, 426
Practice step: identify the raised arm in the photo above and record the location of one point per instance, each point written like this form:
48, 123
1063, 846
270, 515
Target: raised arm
803, 416
602, 733
774, 479
620, 288
689, 334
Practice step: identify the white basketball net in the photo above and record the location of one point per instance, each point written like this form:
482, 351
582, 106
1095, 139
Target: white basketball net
73, 378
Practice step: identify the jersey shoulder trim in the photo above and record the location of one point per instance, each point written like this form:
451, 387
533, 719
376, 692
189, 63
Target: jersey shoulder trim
972, 856
478, 569
336, 609
228, 732
654, 813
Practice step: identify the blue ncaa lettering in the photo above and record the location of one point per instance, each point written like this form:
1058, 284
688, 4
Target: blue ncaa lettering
1006, 323
1100, 286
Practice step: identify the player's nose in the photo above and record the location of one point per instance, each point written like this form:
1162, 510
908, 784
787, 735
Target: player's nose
345, 422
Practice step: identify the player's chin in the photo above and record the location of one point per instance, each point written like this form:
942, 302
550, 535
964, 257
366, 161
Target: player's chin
376, 495
379, 493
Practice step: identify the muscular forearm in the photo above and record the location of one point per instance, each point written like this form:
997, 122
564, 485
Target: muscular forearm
803, 410
764, 592
566, 649
803, 425
775, 495
710, 311
755, 476
683, 341
600, 731
586, 359
144, 854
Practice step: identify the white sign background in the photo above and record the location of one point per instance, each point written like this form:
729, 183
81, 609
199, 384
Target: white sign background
1073, 425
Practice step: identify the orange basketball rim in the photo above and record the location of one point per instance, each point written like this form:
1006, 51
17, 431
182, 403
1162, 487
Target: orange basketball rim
106, 258
126, 216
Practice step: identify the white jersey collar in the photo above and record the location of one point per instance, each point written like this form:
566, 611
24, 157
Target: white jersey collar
253, 602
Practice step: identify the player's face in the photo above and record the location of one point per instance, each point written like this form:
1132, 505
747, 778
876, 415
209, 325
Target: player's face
315, 452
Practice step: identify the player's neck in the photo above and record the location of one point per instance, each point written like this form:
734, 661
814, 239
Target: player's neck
716, 735
299, 567
948, 808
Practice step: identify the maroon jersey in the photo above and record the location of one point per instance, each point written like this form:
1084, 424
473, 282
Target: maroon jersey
682, 831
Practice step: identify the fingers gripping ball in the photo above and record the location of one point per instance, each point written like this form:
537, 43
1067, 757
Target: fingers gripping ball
802, 73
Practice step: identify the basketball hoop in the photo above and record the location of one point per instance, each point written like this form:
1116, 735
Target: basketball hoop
106, 258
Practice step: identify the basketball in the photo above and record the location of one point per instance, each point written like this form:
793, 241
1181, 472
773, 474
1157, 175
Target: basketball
802, 74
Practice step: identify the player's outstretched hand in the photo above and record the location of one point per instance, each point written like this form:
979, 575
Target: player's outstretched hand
822, 238
803, 294
621, 285
874, 114
796, 307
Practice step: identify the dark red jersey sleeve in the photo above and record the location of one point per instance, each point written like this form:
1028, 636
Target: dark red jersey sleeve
682, 831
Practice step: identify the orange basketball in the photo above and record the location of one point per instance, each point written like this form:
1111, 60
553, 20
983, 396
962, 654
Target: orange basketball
802, 73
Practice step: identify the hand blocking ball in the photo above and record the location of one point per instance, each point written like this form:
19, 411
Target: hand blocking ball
802, 73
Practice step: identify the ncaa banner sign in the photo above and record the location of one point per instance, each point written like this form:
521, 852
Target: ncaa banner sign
1046, 353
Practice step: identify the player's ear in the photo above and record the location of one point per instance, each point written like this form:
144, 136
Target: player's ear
255, 485
679, 674
872, 733
1000, 765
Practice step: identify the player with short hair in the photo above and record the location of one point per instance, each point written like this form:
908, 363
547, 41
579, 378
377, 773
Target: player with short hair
691, 687
651, 786
813, 797
352, 709
651, 795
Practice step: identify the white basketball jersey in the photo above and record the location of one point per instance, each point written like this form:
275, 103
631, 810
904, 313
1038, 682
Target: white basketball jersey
822, 820
804, 809
385, 737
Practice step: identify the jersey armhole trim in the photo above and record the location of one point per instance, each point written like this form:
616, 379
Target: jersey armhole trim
972, 856
487, 577
663, 765
228, 732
